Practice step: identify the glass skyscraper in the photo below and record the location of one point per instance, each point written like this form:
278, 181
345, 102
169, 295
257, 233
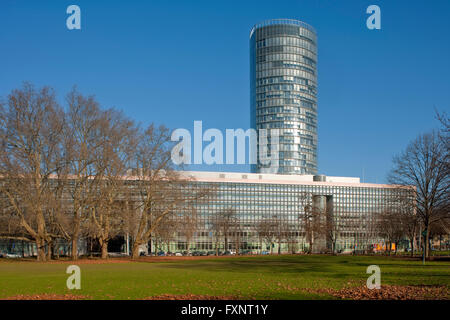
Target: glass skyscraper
283, 92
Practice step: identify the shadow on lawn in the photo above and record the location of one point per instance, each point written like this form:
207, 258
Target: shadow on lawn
331, 267
256, 266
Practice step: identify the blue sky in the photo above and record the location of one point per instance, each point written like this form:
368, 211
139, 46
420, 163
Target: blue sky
173, 62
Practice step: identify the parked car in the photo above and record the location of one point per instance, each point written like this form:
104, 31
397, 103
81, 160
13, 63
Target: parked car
265, 252
117, 254
13, 255
161, 253
178, 254
211, 253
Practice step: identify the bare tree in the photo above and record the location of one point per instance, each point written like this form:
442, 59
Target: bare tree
280, 231
223, 226
56, 214
237, 233
441, 229
85, 121
290, 231
443, 226
390, 226
188, 226
409, 219
312, 219
383, 223
424, 166
267, 231
164, 234
31, 125
445, 126
10, 225
162, 190
112, 161
286, 232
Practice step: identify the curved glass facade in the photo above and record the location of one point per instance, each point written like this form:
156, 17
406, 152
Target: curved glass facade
283, 85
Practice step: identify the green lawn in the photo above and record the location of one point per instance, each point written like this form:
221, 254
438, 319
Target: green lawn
262, 277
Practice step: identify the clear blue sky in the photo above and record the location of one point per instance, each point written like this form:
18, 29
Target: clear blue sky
173, 62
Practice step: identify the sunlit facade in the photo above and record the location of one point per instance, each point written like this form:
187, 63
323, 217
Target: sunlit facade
283, 91
294, 206
346, 204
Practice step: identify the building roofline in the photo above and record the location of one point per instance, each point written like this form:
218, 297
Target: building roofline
233, 177
271, 22
261, 178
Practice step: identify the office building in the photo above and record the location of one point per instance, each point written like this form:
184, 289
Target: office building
283, 92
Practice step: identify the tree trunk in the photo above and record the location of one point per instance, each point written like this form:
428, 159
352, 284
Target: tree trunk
135, 250
40, 250
40, 240
427, 244
104, 245
57, 248
150, 244
90, 247
420, 242
49, 251
75, 248
311, 241
412, 246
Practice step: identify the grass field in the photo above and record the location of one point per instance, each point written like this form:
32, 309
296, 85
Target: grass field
259, 277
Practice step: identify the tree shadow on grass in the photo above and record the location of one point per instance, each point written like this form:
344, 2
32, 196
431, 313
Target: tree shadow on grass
336, 268
252, 267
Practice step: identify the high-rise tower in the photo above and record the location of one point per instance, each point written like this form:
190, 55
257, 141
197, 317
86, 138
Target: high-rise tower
283, 85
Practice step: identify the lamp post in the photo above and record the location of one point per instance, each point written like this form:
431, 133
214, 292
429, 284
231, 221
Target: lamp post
424, 234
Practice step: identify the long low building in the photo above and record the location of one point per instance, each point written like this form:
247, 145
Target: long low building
286, 213
262, 213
